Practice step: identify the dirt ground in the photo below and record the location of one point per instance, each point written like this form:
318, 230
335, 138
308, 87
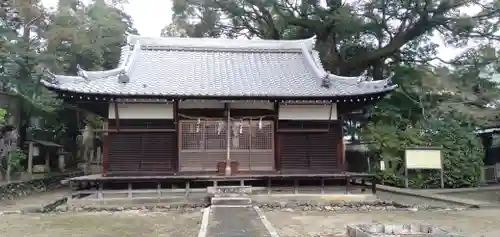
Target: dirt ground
470, 223
102, 224
33, 201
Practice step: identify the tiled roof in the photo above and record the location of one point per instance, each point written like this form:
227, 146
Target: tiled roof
217, 68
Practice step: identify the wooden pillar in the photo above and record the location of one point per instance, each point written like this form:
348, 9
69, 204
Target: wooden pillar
227, 170
106, 140
177, 138
188, 188
105, 148
98, 157
269, 186
129, 193
322, 183
30, 157
117, 117
100, 195
277, 162
341, 146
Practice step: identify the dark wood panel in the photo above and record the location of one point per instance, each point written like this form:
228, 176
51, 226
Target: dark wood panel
125, 151
322, 151
310, 151
158, 152
293, 151
142, 151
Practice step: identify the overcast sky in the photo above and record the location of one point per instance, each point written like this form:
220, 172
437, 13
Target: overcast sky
150, 16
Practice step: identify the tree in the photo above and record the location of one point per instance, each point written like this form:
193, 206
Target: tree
451, 131
33, 38
351, 36
430, 109
87, 35
383, 36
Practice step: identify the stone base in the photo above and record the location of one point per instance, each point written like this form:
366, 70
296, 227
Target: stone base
391, 230
229, 190
231, 201
230, 195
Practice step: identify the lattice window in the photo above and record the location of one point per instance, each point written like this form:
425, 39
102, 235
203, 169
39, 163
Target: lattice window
262, 139
211, 135
202, 135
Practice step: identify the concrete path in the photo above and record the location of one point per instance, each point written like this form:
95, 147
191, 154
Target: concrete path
34, 201
236, 222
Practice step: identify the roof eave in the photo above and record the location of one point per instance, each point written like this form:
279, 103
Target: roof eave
339, 97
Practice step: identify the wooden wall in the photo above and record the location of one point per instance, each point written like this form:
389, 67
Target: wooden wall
136, 153
300, 146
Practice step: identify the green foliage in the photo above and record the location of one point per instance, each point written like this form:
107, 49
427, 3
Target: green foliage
462, 150
16, 158
432, 109
88, 34
3, 113
453, 132
96, 122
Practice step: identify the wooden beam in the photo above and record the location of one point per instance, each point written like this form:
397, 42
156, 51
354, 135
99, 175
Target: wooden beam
139, 130
302, 130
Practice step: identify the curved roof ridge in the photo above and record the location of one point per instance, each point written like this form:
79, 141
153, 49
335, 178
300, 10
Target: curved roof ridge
361, 78
131, 58
127, 58
124, 55
95, 75
220, 43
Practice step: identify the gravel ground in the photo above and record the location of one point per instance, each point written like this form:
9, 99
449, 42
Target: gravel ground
471, 223
102, 224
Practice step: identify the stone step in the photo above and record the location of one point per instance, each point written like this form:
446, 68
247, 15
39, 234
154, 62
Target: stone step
229, 195
231, 201
225, 190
